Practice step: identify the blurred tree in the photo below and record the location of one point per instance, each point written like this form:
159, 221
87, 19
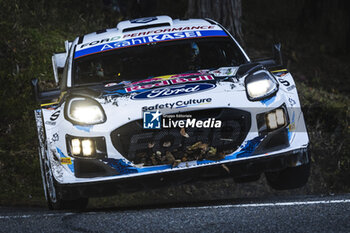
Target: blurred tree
226, 12
330, 19
129, 9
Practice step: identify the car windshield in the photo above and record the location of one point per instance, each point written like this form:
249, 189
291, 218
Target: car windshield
163, 58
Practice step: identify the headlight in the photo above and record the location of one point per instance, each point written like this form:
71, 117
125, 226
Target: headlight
260, 85
272, 120
84, 111
86, 147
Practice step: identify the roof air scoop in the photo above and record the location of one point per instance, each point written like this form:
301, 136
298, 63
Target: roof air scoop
143, 20
144, 23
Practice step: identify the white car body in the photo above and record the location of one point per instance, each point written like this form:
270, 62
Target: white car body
124, 105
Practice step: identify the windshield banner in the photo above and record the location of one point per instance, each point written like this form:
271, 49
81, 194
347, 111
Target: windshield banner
149, 39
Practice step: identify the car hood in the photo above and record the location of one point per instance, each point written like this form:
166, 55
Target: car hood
172, 85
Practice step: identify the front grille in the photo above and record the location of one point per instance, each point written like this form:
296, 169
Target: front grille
164, 146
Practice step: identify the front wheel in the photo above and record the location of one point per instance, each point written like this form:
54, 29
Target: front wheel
54, 202
289, 178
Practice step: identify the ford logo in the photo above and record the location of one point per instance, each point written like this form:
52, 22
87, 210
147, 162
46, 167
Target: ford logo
174, 90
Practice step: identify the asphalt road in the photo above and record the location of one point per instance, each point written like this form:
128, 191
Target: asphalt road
293, 214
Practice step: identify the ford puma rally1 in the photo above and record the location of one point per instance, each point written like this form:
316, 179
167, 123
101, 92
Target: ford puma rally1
156, 101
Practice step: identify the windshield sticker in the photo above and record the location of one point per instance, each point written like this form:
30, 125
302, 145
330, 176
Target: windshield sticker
149, 39
96, 42
159, 31
145, 33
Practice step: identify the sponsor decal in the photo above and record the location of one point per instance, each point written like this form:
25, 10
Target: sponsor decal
99, 47
50, 123
291, 88
224, 71
178, 104
284, 82
165, 77
174, 90
55, 137
166, 30
292, 102
66, 160
186, 75
55, 115
159, 78
96, 42
151, 120
151, 32
62, 156
176, 80
143, 20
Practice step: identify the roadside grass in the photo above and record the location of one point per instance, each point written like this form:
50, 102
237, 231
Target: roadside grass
327, 118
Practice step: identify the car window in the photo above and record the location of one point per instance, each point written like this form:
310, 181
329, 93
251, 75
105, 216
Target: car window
156, 59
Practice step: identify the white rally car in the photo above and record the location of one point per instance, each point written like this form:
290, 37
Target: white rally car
157, 101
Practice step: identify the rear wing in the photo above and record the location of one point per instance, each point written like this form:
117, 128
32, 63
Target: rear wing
59, 60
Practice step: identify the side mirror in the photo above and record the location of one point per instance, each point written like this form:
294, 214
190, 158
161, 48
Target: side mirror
277, 54
274, 62
35, 87
45, 96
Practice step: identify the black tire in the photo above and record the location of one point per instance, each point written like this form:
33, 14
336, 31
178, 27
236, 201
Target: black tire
245, 179
289, 178
54, 202
60, 204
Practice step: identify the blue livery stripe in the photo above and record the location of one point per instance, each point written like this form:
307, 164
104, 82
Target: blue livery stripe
149, 39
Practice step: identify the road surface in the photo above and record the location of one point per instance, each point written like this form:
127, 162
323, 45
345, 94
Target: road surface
291, 214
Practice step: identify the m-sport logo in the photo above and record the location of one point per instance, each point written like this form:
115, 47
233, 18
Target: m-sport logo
173, 91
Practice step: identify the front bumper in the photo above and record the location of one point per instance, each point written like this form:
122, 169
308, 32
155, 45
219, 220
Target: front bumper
239, 168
